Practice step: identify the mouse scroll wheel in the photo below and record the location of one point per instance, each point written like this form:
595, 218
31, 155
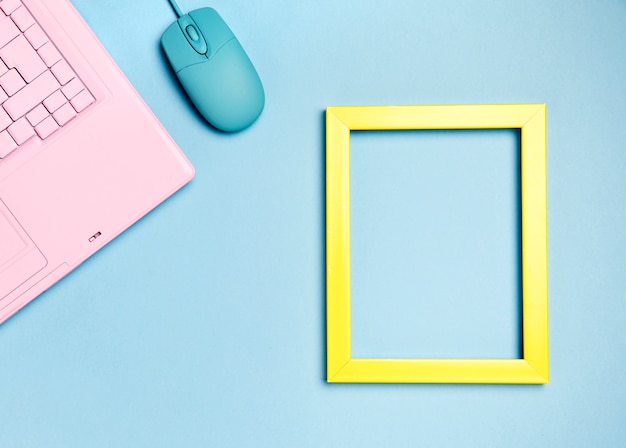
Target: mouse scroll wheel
193, 35
192, 32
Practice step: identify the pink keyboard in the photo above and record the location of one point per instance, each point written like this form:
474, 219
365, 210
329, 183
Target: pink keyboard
39, 91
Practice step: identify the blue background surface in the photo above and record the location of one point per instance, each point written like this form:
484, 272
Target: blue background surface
204, 324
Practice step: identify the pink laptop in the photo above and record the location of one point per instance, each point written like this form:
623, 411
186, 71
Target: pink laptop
81, 156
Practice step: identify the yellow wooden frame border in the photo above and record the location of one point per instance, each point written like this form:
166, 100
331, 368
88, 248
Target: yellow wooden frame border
533, 367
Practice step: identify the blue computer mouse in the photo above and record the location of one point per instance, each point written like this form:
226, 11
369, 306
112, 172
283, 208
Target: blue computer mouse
214, 70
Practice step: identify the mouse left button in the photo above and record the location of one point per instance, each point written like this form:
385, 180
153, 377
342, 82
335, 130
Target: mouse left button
178, 49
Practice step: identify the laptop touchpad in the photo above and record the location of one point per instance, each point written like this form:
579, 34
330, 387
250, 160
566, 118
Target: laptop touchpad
20, 259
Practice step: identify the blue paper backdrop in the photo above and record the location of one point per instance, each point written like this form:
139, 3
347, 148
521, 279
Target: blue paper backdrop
204, 324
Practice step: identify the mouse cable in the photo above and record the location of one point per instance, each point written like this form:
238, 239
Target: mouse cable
177, 10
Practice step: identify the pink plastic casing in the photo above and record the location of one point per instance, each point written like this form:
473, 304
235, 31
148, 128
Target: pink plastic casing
91, 179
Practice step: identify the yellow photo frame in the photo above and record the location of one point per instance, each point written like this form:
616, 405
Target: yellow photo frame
533, 366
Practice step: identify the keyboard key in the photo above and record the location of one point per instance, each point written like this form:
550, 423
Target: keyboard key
39, 90
49, 54
7, 144
82, 100
8, 6
21, 131
22, 18
5, 120
72, 88
46, 127
62, 72
8, 31
64, 114
12, 82
54, 101
19, 54
31, 95
36, 36
35, 116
